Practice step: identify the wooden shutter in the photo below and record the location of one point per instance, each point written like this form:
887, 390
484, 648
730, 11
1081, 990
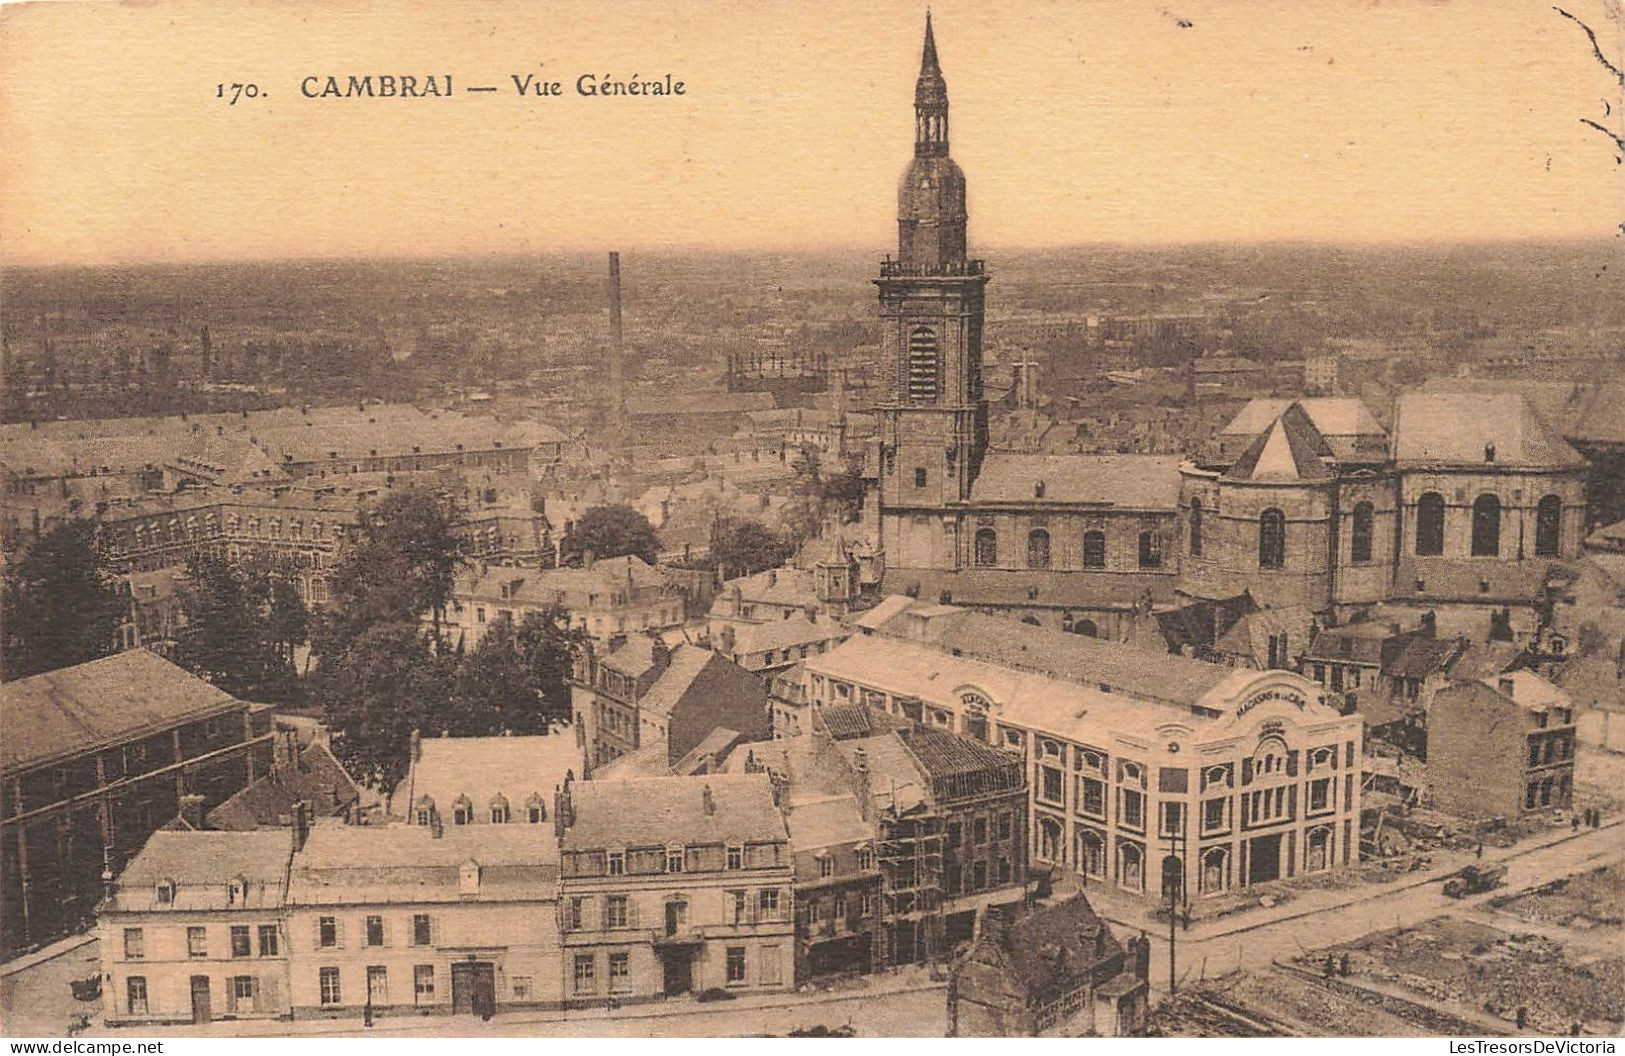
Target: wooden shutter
316, 934
338, 932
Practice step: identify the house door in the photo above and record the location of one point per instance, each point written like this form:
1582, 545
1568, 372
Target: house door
1264, 859
200, 999
473, 988
679, 971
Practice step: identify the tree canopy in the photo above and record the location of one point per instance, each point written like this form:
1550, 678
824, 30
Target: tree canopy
614, 531
241, 627
742, 548
60, 605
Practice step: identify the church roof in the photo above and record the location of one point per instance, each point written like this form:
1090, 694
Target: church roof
1291, 449
1141, 482
1464, 428
1332, 415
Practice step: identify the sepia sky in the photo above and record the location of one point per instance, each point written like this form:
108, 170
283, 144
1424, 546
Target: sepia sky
1075, 123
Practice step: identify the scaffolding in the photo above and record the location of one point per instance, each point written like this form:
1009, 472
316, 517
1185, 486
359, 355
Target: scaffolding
910, 855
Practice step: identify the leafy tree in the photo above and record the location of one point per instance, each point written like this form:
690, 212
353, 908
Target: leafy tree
547, 647
403, 565
224, 638
614, 531
843, 492
387, 684
60, 605
742, 548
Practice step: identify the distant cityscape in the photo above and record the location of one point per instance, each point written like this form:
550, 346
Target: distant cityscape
1076, 642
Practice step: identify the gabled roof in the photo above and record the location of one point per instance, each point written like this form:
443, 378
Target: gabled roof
1291, 449
384, 864
201, 865
687, 661
118, 698
1460, 428
656, 812
482, 768
316, 777
1331, 415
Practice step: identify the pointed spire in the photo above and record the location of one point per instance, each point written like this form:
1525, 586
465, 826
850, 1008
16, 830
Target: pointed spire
928, 57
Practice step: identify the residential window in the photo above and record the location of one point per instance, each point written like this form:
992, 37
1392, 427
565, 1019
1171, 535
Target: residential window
268, 940
620, 973
736, 857
615, 912
377, 984
521, 987
535, 815
166, 892
197, 942
425, 817
1004, 870
826, 866
1213, 814
1049, 787
375, 931
1004, 825
768, 900
499, 815
327, 932
240, 944
674, 860
1131, 808
331, 994
866, 859
1092, 796
617, 863
242, 991
423, 983
978, 876
577, 913
736, 965
135, 994
422, 930
1172, 819
135, 946
1320, 794
978, 830
586, 977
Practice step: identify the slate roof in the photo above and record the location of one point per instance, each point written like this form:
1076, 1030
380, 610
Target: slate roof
655, 812
1290, 449
317, 778
1454, 428
844, 722
1071, 657
1418, 657
1330, 415
1249, 636
201, 865
482, 768
668, 691
1050, 952
118, 698
827, 821
383, 864
1136, 482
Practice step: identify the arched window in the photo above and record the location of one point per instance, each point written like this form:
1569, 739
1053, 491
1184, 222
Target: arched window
1150, 550
499, 810
1130, 866
1430, 524
1085, 627
1091, 856
1486, 526
1360, 537
1050, 846
987, 547
1271, 539
1548, 526
1038, 548
1196, 527
1094, 549
922, 365
462, 811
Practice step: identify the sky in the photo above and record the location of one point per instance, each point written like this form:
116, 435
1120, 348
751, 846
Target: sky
1160, 122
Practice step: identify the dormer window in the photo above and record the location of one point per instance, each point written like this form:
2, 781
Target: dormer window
237, 892
166, 892
674, 859
462, 811
535, 809
499, 811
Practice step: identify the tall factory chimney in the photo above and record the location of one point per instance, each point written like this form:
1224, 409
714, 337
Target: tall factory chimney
617, 353
208, 354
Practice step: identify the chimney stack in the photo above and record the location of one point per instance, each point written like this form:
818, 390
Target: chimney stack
708, 800
301, 824
191, 810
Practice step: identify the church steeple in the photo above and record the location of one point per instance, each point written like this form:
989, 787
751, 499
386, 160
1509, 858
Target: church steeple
930, 102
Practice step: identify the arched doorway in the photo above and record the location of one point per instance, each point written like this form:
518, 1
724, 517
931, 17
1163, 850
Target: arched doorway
1215, 870
1131, 866
1091, 853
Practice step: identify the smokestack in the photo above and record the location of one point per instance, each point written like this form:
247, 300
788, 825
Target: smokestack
617, 351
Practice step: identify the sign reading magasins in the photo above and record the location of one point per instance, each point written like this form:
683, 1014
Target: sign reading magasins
1288, 695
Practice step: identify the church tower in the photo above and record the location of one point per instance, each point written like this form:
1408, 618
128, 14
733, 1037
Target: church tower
933, 413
